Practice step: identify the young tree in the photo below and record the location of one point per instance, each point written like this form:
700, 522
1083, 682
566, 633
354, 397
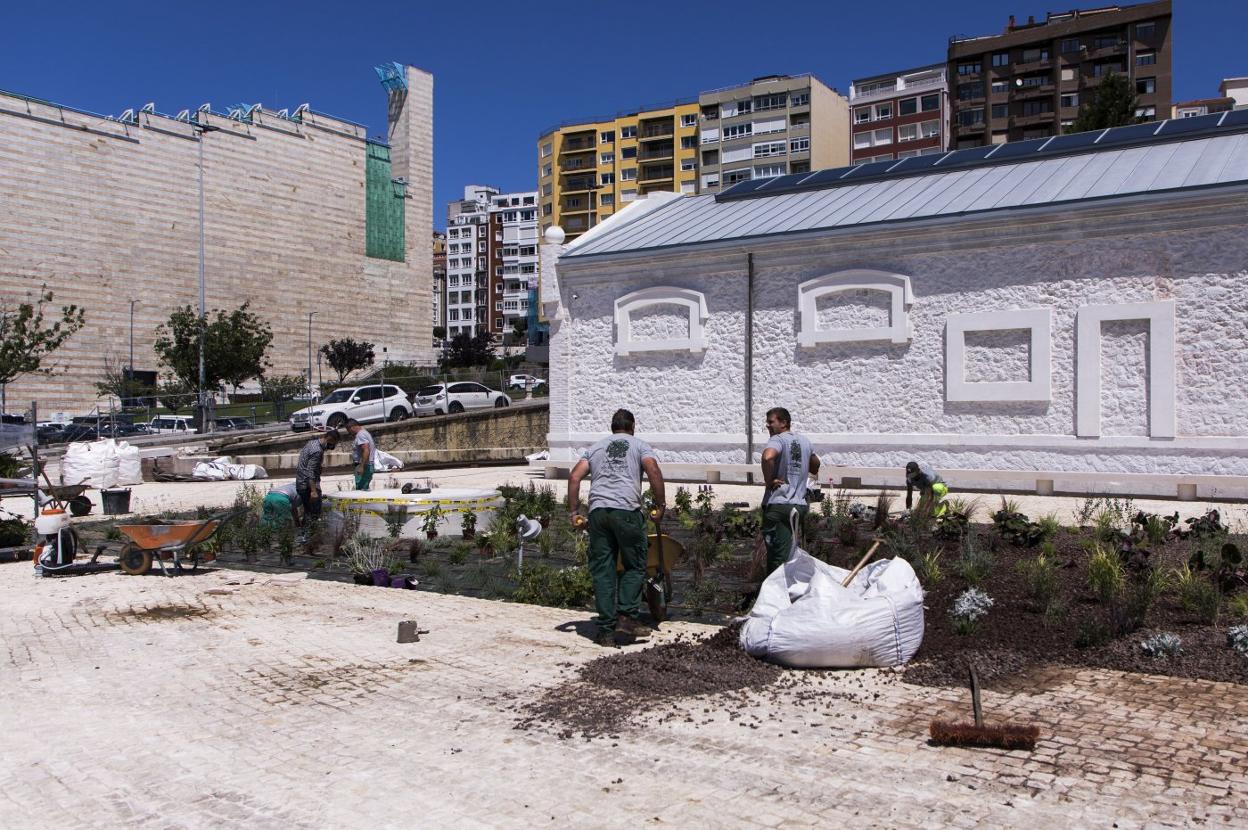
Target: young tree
174, 395
344, 356
1113, 105
116, 381
474, 350
235, 346
24, 339
283, 388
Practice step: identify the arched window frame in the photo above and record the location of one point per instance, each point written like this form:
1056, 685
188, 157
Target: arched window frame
693, 301
897, 286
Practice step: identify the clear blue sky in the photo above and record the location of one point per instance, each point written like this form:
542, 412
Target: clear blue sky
504, 71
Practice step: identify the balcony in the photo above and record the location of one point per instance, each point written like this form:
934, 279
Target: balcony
572, 210
1032, 66
656, 174
578, 164
1032, 120
891, 92
581, 185
1109, 51
1041, 91
660, 152
577, 145
657, 132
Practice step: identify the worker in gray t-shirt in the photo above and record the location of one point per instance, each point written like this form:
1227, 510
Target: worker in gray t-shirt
787, 463
617, 528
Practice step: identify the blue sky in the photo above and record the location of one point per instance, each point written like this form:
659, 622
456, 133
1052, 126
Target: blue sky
503, 72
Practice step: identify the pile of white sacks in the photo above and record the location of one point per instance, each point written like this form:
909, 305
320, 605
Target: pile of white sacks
101, 464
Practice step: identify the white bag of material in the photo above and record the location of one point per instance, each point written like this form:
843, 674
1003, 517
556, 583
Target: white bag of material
129, 467
92, 462
803, 617
222, 469
386, 463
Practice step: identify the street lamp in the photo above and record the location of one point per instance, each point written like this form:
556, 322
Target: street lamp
311, 314
203, 315
133, 303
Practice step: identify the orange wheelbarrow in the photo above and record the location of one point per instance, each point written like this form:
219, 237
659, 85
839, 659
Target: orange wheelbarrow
178, 540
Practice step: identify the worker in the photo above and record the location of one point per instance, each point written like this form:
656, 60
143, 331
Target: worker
281, 506
617, 527
308, 471
932, 488
363, 454
787, 463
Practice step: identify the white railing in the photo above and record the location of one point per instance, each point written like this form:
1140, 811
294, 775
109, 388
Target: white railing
917, 86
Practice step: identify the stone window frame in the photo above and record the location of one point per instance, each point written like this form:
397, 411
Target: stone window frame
1038, 321
1161, 364
897, 286
693, 301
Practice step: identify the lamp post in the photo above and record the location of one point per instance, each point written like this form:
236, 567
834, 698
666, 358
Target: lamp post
311, 314
203, 129
133, 303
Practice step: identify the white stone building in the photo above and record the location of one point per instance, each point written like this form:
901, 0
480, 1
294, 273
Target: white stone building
1064, 314
513, 223
467, 261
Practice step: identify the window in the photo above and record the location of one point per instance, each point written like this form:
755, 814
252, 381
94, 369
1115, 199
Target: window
862, 115
710, 135
738, 131
1070, 99
1000, 111
688, 188
1068, 74
1037, 107
1100, 70
498, 323
689, 120
1034, 81
908, 132
732, 177
769, 102
1146, 112
968, 92
628, 175
606, 137
546, 209
1105, 41
774, 125
607, 200
799, 145
907, 154
1146, 86
1070, 44
969, 68
1000, 138
971, 117
801, 99
688, 164
767, 171
547, 189
1145, 31
607, 178
688, 142
770, 148
710, 157
928, 103
908, 106
883, 111
547, 149
799, 167
1034, 55
930, 129
1000, 86
1001, 59
710, 112
862, 139
1145, 58
628, 132
546, 170
628, 152
744, 106
710, 180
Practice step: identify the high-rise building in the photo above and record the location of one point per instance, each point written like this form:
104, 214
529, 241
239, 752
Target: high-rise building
1030, 81
513, 262
468, 248
439, 285
899, 114
1236, 89
589, 169
773, 125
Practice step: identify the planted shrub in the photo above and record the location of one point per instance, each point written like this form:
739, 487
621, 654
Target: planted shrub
1237, 638
540, 584
1092, 633
1040, 578
1206, 526
929, 568
1237, 606
682, 503
1222, 562
1106, 574
975, 561
1198, 595
968, 609
1162, 645
1154, 527
1015, 527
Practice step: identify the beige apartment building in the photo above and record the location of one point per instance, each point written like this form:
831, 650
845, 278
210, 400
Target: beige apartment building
771, 126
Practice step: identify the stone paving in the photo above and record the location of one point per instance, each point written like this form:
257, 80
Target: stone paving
239, 699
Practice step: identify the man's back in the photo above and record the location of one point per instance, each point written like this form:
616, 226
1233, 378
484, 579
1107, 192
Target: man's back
792, 467
308, 467
615, 471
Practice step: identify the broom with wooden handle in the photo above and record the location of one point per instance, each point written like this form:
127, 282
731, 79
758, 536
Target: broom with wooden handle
1003, 735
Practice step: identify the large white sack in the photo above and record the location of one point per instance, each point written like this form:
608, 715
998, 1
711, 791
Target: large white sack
222, 469
386, 463
804, 618
129, 467
92, 462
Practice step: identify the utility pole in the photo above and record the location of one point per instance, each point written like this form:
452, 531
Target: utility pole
130, 384
311, 314
203, 129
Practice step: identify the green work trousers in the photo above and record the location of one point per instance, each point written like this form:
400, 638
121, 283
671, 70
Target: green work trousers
364, 479
778, 533
613, 534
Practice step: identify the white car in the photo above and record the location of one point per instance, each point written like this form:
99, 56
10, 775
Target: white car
524, 382
445, 398
366, 404
180, 424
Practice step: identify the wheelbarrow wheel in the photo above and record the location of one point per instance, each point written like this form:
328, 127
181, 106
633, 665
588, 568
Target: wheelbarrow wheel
135, 561
657, 591
80, 506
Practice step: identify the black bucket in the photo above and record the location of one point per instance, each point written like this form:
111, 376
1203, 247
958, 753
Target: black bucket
116, 501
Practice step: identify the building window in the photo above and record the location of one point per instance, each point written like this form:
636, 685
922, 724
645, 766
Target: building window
969, 68
969, 92
1100, 70
1070, 99
547, 149
1146, 86
732, 177
688, 142
883, 111
1000, 86
1070, 44
689, 120
884, 136
628, 174
546, 210
688, 188
498, 323
862, 115
1000, 111
606, 137
710, 112
1037, 107
1146, 112
1068, 74
908, 106
547, 189
628, 132
1034, 81
710, 157
607, 178
971, 117
770, 148
1001, 59
688, 164
930, 129
767, 171
738, 131
1105, 41
744, 106
799, 167
801, 99
546, 170
769, 102
908, 132
607, 200
799, 145
1145, 58
929, 103
862, 139
628, 152
607, 158
710, 180
1035, 55
1145, 31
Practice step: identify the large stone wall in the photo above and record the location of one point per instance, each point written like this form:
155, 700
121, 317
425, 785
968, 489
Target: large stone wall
879, 403
104, 212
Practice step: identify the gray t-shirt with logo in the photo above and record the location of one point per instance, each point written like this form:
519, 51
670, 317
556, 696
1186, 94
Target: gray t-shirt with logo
615, 471
364, 439
289, 491
792, 467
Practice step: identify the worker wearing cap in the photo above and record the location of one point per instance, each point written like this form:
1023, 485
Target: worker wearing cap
932, 488
308, 471
281, 506
788, 461
617, 527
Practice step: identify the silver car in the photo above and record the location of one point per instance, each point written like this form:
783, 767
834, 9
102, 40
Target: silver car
446, 398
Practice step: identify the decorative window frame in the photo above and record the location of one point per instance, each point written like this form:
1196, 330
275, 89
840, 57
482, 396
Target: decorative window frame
1161, 365
897, 286
1038, 321
693, 301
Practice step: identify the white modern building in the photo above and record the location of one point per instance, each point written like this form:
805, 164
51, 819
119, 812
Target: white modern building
467, 261
1056, 315
513, 266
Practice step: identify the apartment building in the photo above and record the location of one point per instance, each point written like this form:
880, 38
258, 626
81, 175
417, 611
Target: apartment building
469, 245
439, 284
1236, 89
589, 169
773, 125
1030, 81
513, 261
899, 114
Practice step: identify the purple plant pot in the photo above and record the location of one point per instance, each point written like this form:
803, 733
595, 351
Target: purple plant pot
402, 581
381, 578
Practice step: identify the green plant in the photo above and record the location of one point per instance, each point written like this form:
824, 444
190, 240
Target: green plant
396, 519
366, 554
286, 544
1154, 527
433, 568
968, 609
1092, 633
468, 524
1237, 607
249, 497
1208, 525
430, 518
1222, 561
458, 554
1237, 639
1106, 575
1049, 525
11, 466
975, 562
740, 524
704, 502
1130, 610
1040, 579
1162, 645
958, 516
682, 502
25, 341
1015, 527
1055, 613
540, 584
1198, 595
883, 506
13, 532
114, 534
1086, 510
930, 572
706, 594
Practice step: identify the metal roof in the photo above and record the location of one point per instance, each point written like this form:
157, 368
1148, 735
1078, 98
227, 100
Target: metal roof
1151, 164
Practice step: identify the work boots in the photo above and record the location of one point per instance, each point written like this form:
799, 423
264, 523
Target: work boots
635, 628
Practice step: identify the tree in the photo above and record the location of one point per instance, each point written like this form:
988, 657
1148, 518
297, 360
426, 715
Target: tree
174, 394
235, 346
439, 332
282, 388
346, 355
24, 339
470, 350
116, 381
1113, 105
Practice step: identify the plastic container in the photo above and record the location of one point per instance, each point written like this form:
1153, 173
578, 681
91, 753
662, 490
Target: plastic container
116, 501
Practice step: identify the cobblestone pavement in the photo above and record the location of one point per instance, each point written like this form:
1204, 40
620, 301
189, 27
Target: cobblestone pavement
232, 698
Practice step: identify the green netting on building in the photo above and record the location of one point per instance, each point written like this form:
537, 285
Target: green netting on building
383, 198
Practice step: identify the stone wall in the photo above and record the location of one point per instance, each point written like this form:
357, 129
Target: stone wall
104, 212
878, 403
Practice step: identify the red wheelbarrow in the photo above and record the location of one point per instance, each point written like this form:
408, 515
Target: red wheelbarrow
178, 540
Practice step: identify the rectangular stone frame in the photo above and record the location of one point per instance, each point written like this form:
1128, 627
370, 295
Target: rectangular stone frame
1161, 365
1037, 320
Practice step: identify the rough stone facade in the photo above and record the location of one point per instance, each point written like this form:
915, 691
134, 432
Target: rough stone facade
880, 403
104, 212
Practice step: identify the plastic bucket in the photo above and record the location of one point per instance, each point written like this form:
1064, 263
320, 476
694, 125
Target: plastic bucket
116, 501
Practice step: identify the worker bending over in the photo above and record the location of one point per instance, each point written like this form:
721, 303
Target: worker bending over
787, 462
932, 488
281, 507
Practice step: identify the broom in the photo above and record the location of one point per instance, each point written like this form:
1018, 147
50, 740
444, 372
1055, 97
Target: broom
1003, 735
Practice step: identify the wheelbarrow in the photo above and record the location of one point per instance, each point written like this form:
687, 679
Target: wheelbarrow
661, 557
179, 541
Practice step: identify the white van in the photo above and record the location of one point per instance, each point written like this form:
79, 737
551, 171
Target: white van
180, 424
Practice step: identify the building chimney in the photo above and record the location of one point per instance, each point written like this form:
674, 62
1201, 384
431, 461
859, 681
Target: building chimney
1009, 27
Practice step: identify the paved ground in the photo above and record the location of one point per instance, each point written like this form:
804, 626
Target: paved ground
231, 698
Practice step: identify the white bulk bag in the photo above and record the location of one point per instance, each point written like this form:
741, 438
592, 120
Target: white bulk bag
386, 463
92, 462
223, 469
803, 617
129, 467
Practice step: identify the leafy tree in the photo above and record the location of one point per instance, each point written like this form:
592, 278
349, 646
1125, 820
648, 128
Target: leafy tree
235, 346
1113, 105
24, 339
116, 381
282, 388
174, 394
439, 332
345, 356
470, 350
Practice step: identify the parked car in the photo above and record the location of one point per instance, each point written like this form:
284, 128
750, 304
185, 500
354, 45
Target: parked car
301, 419
524, 382
365, 404
179, 424
446, 398
234, 424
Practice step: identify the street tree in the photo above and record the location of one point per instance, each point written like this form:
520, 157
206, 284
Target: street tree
282, 388
116, 381
25, 340
236, 344
346, 355
1113, 105
470, 350
174, 395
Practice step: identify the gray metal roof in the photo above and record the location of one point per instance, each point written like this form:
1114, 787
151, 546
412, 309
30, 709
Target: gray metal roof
1101, 173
